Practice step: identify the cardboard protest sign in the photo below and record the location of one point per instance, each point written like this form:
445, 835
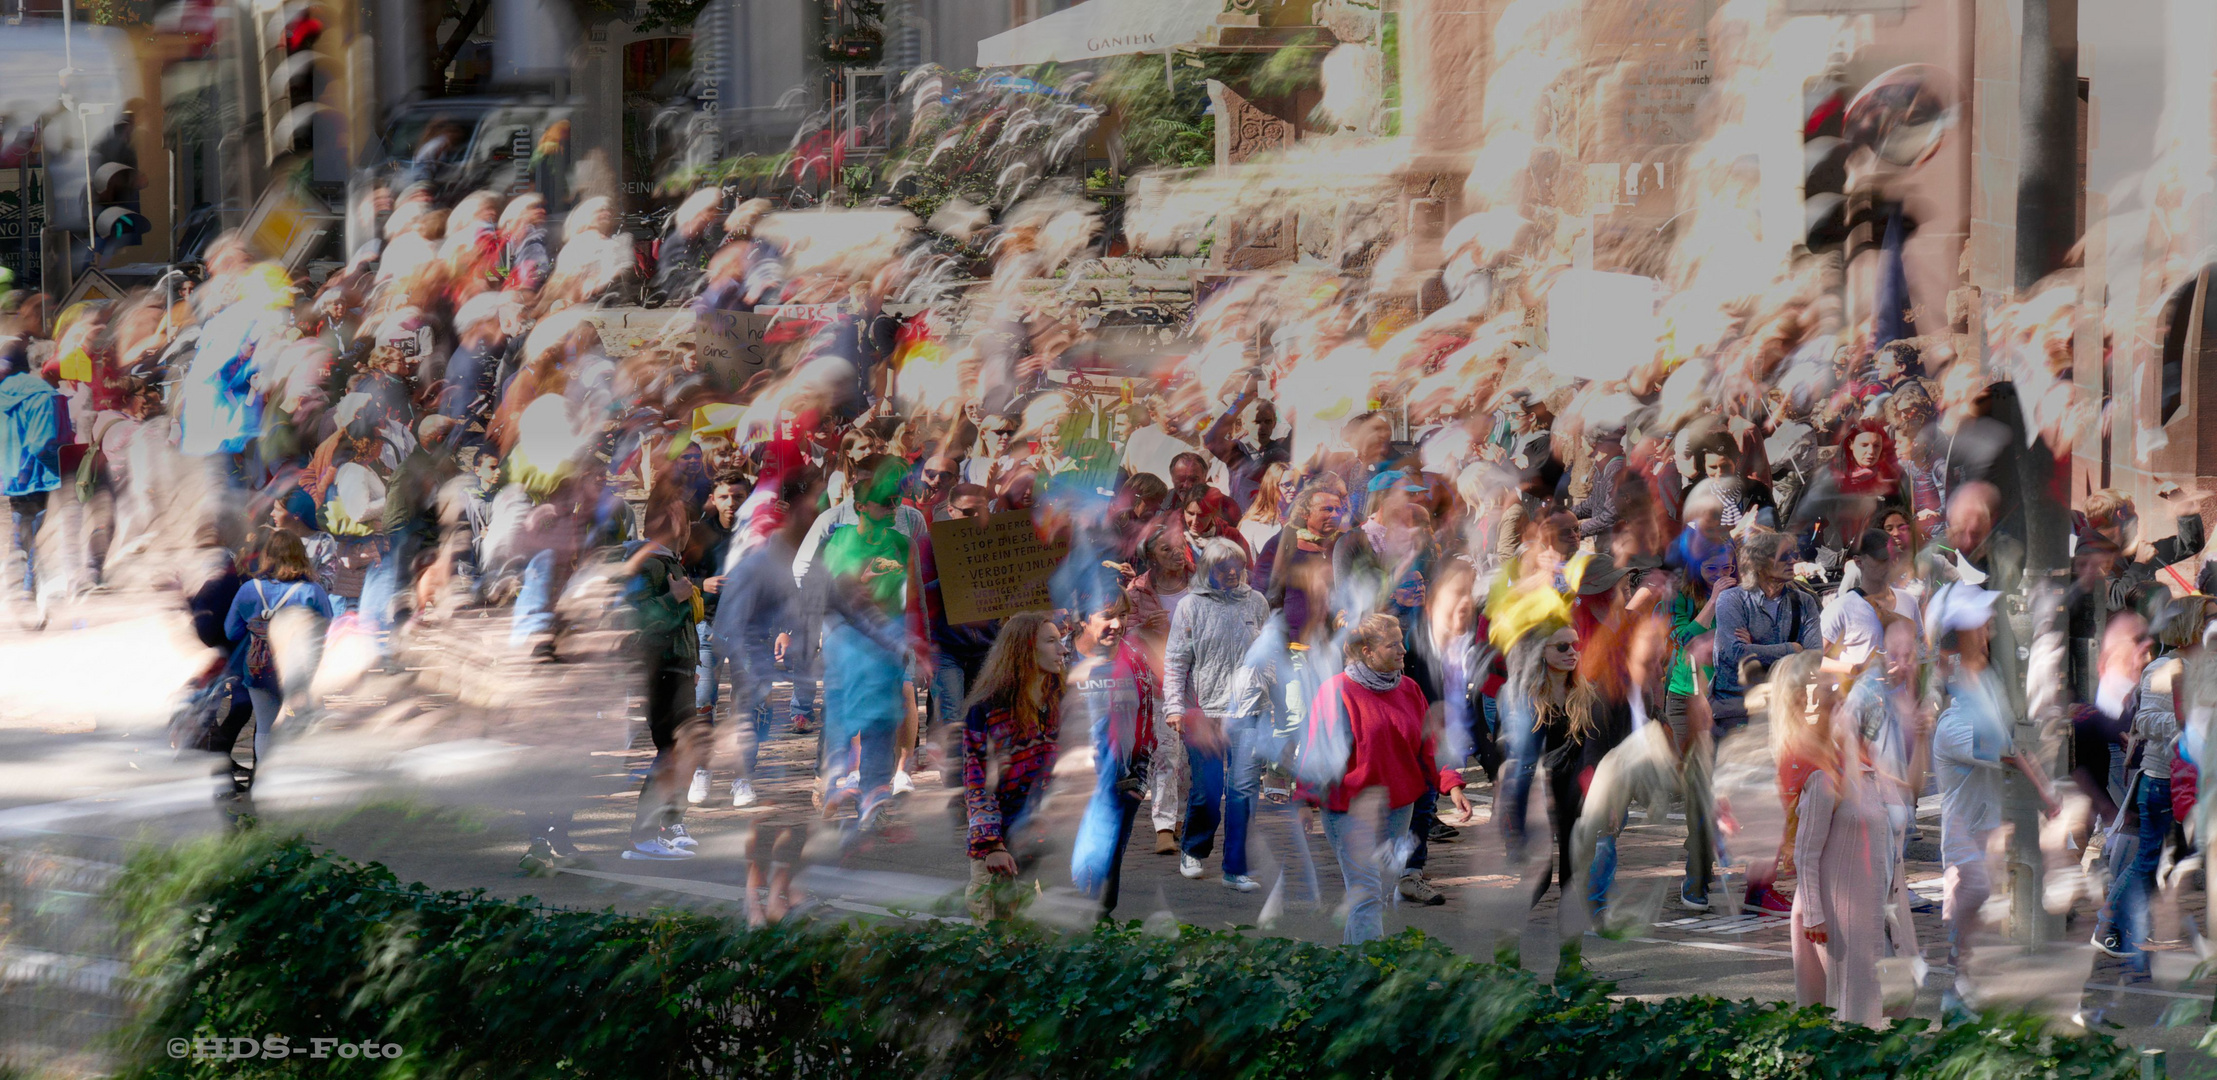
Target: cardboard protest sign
994, 567
730, 343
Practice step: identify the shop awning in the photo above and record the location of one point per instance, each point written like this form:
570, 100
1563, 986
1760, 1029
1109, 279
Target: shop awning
1096, 28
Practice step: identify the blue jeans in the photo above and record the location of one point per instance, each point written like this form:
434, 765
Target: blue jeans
1520, 745
1370, 847
751, 703
876, 767
948, 685
534, 601
2128, 895
1212, 798
1603, 872
26, 513
1423, 814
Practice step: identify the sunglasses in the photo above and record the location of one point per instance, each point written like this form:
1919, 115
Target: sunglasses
1563, 647
1002, 432
936, 475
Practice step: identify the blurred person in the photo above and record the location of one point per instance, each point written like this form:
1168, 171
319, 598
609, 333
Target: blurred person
1297, 564
524, 262
1845, 853
1761, 622
1273, 497
696, 231
1850, 621
663, 599
1971, 744
958, 650
33, 427
1686, 710
1010, 724
758, 602
1626, 749
2122, 926
1598, 513
1221, 705
1764, 618
282, 578
1248, 461
1370, 753
1116, 694
865, 651
1156, 595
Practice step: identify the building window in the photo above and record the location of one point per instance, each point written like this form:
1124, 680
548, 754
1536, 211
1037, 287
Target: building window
2178, 322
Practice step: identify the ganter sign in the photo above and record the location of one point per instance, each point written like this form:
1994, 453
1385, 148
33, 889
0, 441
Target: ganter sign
1098, 28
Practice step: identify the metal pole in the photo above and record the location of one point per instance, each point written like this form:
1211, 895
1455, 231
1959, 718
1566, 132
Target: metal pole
2047, 103
23, 202
2047, 228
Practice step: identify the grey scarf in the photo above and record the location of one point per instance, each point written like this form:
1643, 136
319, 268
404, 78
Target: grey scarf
1371, 679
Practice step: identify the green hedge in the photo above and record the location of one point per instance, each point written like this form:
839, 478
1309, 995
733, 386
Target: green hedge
254, 938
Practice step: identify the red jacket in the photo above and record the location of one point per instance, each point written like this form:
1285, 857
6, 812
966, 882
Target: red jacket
1387, 745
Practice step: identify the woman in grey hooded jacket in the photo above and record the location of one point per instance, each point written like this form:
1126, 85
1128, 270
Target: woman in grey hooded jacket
1219, 700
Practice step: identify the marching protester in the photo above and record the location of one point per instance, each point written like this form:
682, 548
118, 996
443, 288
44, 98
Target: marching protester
1353, 565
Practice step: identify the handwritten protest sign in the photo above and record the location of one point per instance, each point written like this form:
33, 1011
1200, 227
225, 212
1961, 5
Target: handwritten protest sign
994, 567
731, 343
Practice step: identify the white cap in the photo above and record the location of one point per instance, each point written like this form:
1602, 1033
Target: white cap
1961, 606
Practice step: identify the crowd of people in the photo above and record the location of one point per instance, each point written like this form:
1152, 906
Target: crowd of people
1334, 568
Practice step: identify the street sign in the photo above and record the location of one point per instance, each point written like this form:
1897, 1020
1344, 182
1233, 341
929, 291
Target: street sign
25, 259
92, 285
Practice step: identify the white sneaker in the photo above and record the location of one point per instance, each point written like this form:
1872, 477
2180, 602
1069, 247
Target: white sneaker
1190, 867
742, 794
656, 850
902, 785
1241, 882
699, 790
677, 837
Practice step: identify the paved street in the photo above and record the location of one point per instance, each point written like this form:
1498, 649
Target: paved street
431, 770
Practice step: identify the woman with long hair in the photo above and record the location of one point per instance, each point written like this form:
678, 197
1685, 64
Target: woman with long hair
1009, 730
1113, 691
282, 579
1844, 850
1545, 694
1625, 750
1266, 515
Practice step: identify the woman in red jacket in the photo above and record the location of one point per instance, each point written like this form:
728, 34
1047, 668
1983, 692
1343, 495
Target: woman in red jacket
1369, 723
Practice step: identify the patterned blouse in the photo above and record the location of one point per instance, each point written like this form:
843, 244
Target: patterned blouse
1005, 766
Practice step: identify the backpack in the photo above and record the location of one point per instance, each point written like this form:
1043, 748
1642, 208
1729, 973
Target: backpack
261, 663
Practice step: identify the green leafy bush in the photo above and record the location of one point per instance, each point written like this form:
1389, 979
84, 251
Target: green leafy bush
255, 938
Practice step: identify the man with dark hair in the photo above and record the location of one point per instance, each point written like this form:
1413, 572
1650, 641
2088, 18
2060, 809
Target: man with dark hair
935, 478
669, 645
957, 649
705, 550
1598, 512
